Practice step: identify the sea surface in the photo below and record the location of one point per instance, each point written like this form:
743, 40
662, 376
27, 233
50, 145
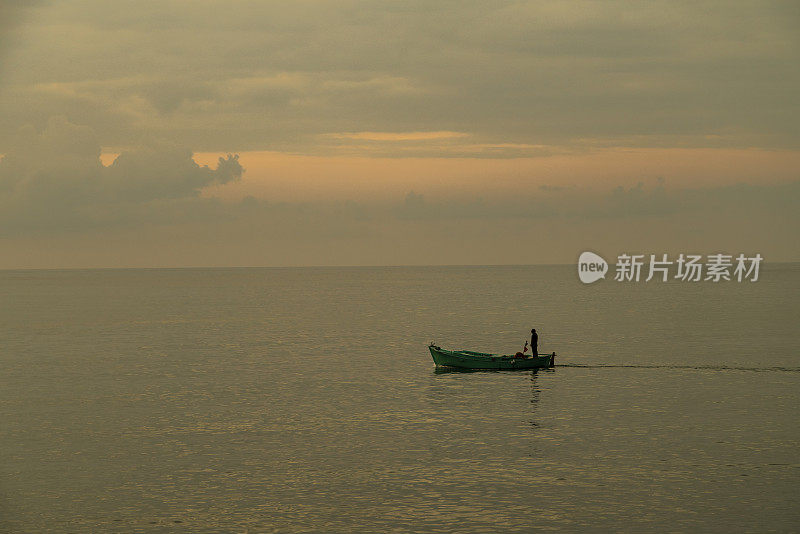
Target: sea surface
305, 400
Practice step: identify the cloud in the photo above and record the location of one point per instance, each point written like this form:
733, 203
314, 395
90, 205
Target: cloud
398, 136
54, 190
164, 173
54, 180
280, 75
12, 13
636, 203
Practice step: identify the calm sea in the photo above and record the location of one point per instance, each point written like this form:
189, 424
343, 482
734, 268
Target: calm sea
305, 400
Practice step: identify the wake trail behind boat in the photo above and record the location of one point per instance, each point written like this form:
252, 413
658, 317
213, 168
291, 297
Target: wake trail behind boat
691, 367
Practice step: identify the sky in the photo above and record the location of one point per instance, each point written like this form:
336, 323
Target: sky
314, 132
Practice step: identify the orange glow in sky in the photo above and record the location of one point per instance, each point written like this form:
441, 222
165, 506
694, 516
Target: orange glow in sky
286, 177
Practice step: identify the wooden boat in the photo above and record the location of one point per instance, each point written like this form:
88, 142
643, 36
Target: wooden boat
467, 359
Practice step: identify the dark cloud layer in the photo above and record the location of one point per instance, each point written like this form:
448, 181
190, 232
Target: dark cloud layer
653, 201
52, 183
502, 79
54, 180
280, 74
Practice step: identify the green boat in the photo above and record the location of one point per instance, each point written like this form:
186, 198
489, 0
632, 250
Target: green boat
467, 359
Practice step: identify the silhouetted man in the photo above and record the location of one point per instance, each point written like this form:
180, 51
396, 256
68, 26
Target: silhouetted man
534, 342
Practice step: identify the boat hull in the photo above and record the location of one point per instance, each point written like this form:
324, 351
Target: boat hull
462, 359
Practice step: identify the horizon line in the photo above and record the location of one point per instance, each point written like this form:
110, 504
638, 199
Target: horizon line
395, 266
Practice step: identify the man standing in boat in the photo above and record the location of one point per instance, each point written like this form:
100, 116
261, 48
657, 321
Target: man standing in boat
534, 342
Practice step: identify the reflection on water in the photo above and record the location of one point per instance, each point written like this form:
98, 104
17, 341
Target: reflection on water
535, 392
444, 370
